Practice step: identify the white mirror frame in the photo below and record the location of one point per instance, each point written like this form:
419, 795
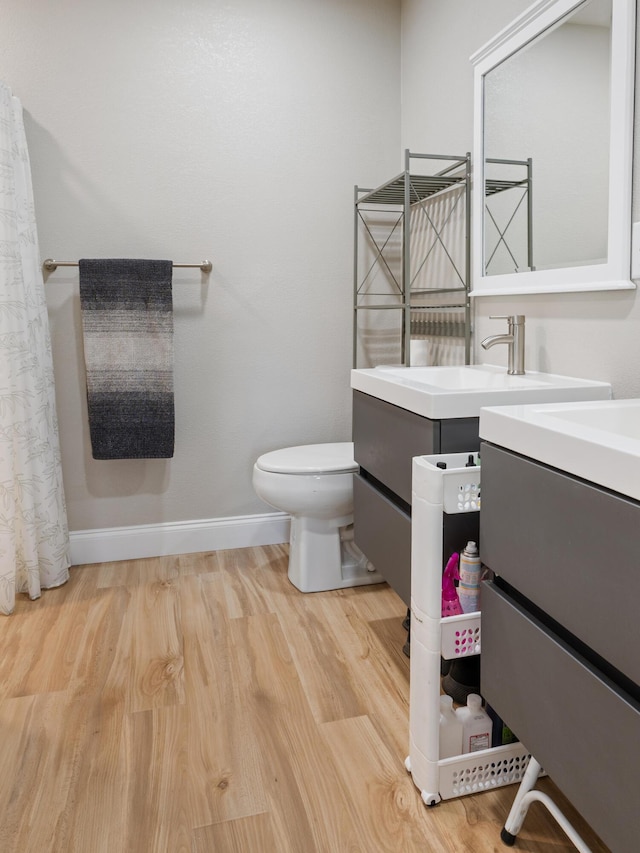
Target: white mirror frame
615, 274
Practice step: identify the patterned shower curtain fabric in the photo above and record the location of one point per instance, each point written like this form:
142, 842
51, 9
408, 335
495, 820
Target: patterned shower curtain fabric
34, 539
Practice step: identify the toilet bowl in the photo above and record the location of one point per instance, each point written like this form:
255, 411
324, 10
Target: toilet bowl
314, 484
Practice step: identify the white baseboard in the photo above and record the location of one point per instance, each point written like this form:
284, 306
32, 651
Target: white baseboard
107, 545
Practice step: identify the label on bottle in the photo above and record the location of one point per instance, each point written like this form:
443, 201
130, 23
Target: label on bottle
469, 599
479, 741
470, 572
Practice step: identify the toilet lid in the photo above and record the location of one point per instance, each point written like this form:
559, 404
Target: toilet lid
310, 459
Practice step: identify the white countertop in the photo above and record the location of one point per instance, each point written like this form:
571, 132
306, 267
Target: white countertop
598, 441
461, 391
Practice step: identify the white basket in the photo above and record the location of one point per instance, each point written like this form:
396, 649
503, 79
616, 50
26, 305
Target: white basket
460, 636
482, 771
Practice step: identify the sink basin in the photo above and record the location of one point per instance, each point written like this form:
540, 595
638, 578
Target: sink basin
467, 378
460, 392
598, 441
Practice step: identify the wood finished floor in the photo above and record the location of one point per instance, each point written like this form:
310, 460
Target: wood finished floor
201, 703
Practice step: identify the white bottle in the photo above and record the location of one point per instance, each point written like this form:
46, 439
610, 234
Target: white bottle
469, 586
476, 725
450, 729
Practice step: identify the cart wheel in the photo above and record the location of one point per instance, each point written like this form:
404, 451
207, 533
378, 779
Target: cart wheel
507, 838
429, 799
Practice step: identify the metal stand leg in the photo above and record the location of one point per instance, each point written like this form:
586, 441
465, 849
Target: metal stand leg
527, 795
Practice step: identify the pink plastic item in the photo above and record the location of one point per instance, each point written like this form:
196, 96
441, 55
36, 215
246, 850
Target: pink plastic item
450, 601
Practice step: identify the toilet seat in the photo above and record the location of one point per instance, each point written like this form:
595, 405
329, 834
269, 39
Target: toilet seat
334, 458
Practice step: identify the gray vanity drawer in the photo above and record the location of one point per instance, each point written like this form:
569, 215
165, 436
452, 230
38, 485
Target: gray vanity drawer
382, 531
386, 439
584, 569
566, 715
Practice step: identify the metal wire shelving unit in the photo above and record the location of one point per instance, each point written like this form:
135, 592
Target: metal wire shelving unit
520, 189
407, 193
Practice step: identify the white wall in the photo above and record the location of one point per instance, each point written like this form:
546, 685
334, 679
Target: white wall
236, 131
208, 129
592, 334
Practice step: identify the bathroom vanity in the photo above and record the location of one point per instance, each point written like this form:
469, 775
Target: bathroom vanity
386, 438
560, 663
402, 412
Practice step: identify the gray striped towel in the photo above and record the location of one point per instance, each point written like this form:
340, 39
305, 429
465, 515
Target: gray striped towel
127, 324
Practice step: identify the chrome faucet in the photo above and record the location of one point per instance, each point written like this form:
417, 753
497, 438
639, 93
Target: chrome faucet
515, 340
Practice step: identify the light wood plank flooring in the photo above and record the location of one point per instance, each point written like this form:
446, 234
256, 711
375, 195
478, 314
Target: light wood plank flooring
201, 703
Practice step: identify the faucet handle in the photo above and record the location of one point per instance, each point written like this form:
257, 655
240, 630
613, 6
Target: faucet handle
515, 319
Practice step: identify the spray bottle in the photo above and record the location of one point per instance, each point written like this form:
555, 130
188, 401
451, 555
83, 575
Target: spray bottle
470, 574
450, 601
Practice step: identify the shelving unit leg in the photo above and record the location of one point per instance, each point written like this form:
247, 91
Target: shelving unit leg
527, 795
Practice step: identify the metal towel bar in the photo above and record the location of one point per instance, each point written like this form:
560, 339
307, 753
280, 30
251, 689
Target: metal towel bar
50, 265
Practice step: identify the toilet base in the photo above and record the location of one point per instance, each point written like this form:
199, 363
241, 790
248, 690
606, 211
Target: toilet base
323, 556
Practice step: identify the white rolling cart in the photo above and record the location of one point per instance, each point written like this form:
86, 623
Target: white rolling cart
445, 514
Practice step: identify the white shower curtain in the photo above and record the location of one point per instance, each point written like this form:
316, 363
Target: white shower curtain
34, 539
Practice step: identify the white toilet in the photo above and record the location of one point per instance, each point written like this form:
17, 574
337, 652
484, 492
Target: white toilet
314, 484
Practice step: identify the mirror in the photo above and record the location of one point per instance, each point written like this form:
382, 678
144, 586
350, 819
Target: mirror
553, 127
